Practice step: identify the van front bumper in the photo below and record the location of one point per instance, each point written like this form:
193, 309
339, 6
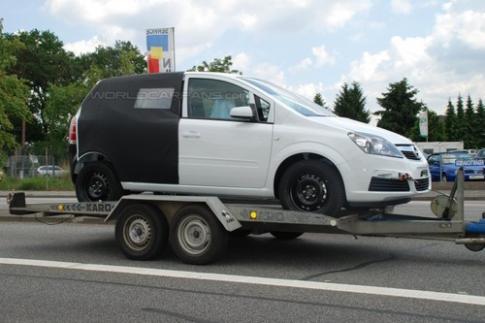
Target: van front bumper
385, 180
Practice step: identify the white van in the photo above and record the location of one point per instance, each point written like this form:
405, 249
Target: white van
232, 135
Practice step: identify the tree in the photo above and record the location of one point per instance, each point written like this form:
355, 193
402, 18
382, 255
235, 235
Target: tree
450, 122
319, 100
121, 59
223, 65
470, 131
436, 127
41, 61
400, 108
460, 119
479, 125
13, 95
62, 104
64, 100
350, 103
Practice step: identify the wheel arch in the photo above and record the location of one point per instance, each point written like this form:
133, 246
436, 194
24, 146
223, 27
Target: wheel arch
92, 157
290, 160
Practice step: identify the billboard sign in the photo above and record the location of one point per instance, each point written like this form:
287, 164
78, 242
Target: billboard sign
161, 50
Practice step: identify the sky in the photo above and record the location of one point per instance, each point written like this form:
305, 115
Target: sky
308, 46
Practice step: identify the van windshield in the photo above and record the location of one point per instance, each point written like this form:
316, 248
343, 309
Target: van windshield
294, 101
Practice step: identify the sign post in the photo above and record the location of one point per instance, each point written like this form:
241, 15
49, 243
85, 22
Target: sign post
161, 50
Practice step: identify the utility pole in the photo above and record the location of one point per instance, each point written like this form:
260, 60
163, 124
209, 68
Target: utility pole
22, 144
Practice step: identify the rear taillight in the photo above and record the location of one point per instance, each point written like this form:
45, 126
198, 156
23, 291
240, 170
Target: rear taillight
73, 131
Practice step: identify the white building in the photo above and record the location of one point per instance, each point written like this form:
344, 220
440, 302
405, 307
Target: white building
432, 147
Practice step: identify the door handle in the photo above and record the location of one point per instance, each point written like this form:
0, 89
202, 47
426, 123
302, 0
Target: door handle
191, 134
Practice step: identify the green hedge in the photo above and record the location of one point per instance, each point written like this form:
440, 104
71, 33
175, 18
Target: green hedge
41, 183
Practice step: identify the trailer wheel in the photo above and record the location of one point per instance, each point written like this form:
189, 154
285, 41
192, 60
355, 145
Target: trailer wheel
312, 185
141, 232
280, 235
196, 235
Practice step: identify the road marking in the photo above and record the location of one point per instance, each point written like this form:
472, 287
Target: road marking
252, 280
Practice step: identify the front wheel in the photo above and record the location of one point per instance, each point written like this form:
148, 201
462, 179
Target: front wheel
314, 186
97, 182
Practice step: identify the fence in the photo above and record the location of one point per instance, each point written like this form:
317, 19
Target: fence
21, 166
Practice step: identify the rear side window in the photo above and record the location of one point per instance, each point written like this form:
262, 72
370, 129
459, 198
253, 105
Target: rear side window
154, 98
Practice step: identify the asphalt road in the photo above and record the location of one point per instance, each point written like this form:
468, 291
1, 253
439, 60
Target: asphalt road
47, 294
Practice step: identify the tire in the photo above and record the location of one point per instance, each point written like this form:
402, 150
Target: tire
97, 182
312, 185
286, 235
141, 232
196, 236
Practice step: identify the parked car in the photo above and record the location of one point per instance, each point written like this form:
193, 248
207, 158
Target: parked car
447, 164
223, 134
481, 154
50, 170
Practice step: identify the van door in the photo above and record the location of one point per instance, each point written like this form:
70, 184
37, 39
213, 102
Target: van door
217, 150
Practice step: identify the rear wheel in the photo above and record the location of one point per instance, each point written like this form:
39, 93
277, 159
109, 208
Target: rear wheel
314, 186
141, 232
196, 236
97, 182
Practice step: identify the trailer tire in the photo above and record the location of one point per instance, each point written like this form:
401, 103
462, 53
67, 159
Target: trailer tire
97, 182
314, 186
141, 231
196, 235
280, 235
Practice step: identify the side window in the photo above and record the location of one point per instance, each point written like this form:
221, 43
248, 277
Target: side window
433, 159
214, 99
154, 98
263, 108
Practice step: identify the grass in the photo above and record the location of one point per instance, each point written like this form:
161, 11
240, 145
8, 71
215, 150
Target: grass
40, 183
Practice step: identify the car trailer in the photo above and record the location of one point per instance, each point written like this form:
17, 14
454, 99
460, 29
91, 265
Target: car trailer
198, 227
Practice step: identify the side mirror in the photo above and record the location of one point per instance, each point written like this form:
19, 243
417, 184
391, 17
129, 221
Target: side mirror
245, 113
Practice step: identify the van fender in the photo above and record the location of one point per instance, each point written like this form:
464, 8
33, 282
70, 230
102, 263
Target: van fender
316, 148
89, 157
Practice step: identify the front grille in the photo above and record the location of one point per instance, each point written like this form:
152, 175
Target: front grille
410, 154
421, 184
409, 151
378, 184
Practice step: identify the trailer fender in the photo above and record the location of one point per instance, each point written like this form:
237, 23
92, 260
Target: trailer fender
222, 213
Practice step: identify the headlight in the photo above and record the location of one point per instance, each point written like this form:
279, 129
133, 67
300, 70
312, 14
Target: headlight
376, 145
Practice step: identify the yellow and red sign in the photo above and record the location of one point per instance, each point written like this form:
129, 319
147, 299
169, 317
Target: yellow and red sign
161, 50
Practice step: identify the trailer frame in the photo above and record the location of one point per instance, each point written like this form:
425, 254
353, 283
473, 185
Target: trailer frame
197, 227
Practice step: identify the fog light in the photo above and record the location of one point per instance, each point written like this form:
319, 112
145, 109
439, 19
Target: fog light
60, 207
